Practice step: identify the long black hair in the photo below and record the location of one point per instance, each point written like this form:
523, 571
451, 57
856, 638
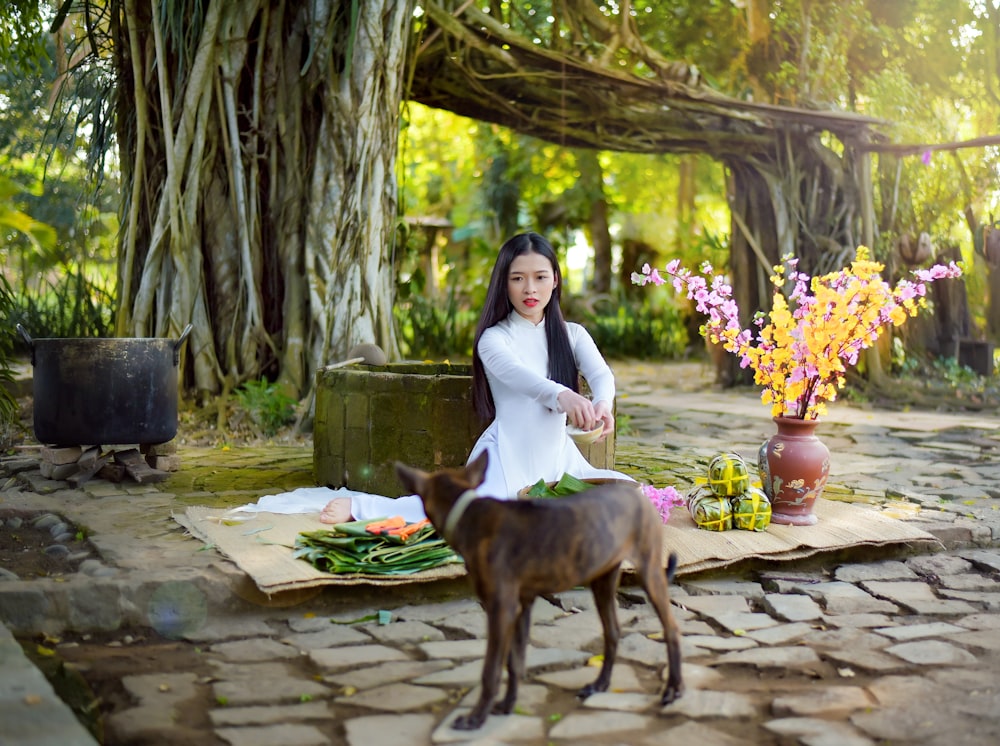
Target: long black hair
562, 364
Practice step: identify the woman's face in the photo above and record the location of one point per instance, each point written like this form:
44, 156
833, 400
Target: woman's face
530, 282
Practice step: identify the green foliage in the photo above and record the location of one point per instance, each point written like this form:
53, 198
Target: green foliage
567, 485
637, 184
40, 236
429, 330
71, 306
955, 375
432, 329
22, 35
639, 331
623, 425
8, 406
269, 407
57, 232
437, 163
944, 376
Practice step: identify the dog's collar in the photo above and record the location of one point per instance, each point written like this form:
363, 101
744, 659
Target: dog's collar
456, 512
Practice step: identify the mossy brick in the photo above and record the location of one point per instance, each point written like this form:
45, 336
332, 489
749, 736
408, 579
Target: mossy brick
451, 448
416, 450
328, 436
386, 442
335, 442
324, 400
357, 410
359, 475
400, 410
327, 467
456, 412
322, 379
329, 470
410, 384
332, 447
448, 455
357, 447
329, 428
329, 409
386, 478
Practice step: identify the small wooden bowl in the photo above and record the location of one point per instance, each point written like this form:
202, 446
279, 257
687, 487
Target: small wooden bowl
584, 437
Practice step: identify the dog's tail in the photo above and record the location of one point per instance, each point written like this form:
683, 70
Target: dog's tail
671, 566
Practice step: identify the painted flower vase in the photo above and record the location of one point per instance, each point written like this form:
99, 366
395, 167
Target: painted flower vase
794, 465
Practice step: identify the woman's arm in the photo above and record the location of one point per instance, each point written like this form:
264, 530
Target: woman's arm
500, 361
598, 375
592, 365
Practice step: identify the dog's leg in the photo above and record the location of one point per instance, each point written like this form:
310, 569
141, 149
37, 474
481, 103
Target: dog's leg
501, 611
515, 659
604, 588
654, 580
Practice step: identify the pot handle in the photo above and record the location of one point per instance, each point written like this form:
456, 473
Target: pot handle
24, 333
180, 341
27, 338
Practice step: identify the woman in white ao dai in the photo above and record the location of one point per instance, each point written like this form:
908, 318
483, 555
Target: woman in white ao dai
513, 369
525, 372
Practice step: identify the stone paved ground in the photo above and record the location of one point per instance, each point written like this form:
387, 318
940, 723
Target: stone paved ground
879, 648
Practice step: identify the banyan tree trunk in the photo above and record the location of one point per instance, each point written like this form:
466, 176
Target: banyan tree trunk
592, 179
993, 309
806, 201
753, 252
258, 144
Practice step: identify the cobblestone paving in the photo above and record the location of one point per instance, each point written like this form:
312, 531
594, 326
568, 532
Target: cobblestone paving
893, 647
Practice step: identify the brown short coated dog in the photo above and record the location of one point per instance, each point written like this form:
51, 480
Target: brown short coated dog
517, 550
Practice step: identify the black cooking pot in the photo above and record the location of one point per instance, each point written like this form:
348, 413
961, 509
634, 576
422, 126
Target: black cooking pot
105, 391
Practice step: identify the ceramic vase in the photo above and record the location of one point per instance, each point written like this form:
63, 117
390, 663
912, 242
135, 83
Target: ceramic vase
794, 465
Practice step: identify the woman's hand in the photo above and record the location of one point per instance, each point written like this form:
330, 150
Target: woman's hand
603, 413
579, 410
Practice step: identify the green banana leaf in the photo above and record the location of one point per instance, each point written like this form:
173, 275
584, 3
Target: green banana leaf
348, 548
567, 485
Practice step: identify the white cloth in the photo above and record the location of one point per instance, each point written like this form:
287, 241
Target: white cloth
527, 440
364, 506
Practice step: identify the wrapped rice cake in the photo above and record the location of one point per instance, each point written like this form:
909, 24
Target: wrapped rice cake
710, 511
728, 475
751, 510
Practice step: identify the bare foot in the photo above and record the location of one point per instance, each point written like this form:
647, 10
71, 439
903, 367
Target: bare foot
338, 510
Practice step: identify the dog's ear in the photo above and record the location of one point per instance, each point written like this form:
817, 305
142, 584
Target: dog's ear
412, 478
476, 471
